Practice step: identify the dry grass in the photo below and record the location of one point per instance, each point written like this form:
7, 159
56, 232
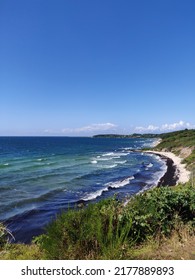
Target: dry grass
180, 246
21, 252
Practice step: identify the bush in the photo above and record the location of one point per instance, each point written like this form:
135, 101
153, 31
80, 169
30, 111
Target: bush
87, 233
160, 210
107, 229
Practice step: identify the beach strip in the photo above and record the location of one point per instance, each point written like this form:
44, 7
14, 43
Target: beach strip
176, 171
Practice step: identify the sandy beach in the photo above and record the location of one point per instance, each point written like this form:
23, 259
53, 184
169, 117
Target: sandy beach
176, 171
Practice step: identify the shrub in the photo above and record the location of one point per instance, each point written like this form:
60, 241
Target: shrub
86, 233
159, 211
106, 229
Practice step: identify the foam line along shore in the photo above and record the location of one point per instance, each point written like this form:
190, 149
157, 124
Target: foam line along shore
176, 171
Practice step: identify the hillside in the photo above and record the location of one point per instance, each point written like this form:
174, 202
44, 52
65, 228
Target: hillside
181, 143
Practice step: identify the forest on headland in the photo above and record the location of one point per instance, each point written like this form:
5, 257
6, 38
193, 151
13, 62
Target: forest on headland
156, 224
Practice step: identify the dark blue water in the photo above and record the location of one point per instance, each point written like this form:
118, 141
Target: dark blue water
41, 176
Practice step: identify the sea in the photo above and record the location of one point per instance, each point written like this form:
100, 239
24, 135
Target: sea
40, 177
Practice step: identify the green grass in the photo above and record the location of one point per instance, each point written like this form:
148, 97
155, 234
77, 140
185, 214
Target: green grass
176, 141
89, 233
108, 230
184, 138
190, 159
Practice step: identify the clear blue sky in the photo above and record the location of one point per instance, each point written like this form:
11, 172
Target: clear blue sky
82, 67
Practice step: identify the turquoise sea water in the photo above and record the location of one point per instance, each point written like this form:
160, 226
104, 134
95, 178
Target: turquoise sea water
41, 176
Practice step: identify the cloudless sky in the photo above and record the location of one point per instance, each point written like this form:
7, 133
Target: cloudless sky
82, 67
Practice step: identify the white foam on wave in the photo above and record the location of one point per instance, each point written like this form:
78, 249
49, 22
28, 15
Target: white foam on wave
108, 154
110, 166
4, 165
113, 185
122, 162
103, 159
127, 149
94, 161
121, 183
122, 154
118, 154
106, 166
111, 156
94, 195
156, 176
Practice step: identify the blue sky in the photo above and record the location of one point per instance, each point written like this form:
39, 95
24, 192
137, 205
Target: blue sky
82, 67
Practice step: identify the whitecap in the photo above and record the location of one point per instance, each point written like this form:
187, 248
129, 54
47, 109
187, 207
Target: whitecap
127, 149
94, 161
110, 166
122, 154
104, 159
108, 154
94, 195
121, 183
4, 165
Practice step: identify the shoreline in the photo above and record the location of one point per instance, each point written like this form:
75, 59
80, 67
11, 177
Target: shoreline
176, 172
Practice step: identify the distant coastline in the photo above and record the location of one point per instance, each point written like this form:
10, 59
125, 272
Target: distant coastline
134, 135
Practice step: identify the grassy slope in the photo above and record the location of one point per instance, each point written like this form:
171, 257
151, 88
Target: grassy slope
177, 141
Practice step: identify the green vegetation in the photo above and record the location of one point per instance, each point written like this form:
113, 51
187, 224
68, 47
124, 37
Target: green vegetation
108, 230
89, 233
183, 138
134, 135
181, 143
